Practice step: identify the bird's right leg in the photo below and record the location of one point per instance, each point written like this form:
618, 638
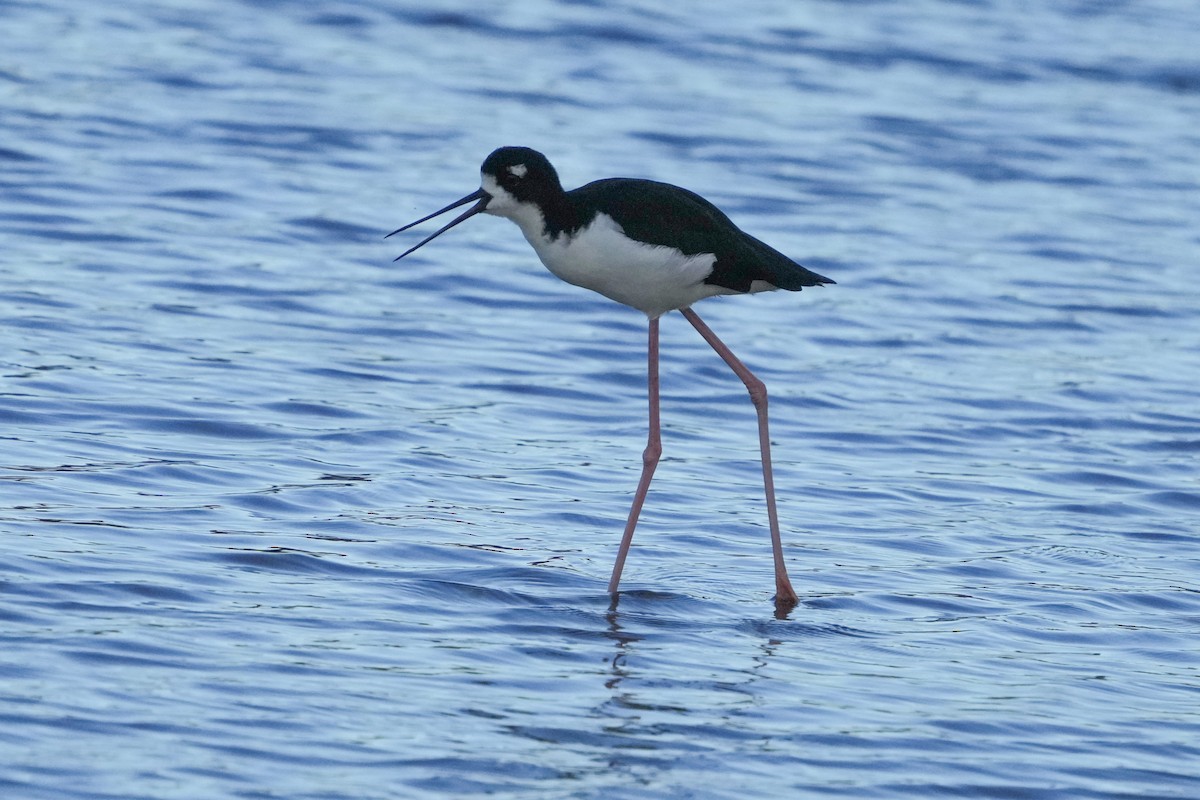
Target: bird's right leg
785, 596
649, 457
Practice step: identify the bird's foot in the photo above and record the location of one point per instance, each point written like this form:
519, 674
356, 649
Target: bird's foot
786, 599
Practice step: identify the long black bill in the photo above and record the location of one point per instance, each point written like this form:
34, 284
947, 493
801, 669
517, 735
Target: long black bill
480, 195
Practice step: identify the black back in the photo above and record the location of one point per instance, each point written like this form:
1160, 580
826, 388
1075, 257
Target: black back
663, 214
652, 212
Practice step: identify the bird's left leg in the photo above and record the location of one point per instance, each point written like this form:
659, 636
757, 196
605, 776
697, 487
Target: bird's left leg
650, 455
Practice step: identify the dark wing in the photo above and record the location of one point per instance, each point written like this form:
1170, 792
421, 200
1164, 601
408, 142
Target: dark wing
667, 215
769, 265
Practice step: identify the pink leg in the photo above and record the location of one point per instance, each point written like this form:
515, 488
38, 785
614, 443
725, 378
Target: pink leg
649, 457
785, 595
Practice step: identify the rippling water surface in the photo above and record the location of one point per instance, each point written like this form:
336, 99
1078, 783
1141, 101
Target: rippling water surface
281, 518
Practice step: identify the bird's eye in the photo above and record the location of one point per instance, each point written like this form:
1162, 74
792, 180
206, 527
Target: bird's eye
516, 173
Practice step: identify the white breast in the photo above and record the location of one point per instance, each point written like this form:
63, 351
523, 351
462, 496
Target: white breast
651, 278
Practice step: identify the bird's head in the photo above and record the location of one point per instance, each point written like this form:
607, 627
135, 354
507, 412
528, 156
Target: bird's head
515, 177
514, 182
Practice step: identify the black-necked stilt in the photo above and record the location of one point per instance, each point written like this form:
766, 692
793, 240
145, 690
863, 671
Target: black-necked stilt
652, 246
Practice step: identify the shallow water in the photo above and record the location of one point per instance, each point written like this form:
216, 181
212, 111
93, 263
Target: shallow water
281, 518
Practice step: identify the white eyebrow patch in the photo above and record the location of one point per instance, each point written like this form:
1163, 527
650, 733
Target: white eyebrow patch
518, 170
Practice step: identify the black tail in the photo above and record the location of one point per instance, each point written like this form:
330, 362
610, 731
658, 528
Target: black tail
778, 270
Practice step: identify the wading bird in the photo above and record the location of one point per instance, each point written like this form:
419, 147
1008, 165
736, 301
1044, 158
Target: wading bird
654, 247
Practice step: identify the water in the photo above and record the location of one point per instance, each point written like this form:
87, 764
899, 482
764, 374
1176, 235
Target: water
283, 519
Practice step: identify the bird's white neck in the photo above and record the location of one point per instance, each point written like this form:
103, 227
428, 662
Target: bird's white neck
528, 216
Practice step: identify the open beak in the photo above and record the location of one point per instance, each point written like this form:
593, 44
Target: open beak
483, 198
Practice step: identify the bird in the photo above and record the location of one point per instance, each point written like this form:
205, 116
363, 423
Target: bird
654, 247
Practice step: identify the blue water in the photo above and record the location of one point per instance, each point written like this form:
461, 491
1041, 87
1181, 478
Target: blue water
283, 519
